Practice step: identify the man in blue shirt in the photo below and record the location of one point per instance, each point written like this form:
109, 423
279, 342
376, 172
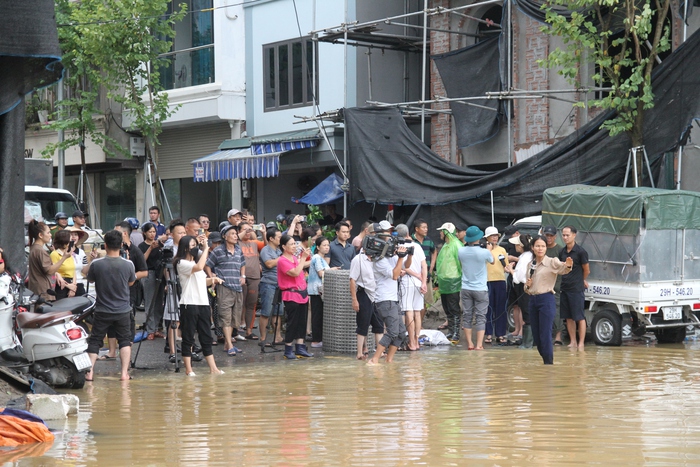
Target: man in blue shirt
342, 252
475, 293
154, 218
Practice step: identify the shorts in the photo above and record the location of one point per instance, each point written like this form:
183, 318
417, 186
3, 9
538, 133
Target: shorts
120, 322
572, 305
266, 292
411, 298
230, 306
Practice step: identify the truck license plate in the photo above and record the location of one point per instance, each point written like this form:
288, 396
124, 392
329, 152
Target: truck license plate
672, 312
82, 361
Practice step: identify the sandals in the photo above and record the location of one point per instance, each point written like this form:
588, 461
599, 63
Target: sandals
442, 327
488, 340
252, 337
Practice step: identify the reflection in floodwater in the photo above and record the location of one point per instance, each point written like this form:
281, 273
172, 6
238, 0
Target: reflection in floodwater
610, 406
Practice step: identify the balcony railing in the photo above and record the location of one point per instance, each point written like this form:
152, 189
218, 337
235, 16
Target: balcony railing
188, 67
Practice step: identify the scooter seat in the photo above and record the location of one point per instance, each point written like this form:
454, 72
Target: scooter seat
37, 320
75, 305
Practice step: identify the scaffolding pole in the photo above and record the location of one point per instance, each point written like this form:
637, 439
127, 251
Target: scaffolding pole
414, 108
424, 69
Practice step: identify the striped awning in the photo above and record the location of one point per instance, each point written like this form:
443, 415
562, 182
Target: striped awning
257, 157
282, 146
236, 163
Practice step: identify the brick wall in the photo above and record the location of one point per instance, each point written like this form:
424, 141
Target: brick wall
536, 118
440, 124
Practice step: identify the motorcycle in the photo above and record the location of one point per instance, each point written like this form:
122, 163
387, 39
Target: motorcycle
53, 347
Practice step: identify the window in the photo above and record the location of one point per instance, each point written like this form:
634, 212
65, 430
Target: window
173, 195
191, 61
287, 68
119, 198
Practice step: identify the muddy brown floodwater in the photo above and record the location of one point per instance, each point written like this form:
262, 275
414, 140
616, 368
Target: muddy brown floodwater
632, 405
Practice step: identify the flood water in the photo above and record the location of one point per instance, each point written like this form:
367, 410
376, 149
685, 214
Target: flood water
631, 405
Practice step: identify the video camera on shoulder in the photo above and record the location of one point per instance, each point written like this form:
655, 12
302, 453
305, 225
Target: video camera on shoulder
377, 247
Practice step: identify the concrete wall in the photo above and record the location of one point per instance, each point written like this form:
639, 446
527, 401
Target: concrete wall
275, 21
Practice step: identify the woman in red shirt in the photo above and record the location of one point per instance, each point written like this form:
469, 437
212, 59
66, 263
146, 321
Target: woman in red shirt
290, 278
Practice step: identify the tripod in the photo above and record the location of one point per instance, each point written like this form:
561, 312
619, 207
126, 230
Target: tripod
157, 300
276, 300
171, 302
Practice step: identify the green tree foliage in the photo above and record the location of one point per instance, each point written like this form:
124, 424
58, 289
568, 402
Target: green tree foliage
623, 38
114, 46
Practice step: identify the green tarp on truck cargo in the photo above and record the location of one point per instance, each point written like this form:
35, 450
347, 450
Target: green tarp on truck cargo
620, 211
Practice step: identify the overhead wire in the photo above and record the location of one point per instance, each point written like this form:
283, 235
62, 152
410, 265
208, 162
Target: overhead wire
166, 15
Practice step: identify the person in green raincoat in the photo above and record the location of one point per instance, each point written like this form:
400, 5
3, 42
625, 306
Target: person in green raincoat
448, 270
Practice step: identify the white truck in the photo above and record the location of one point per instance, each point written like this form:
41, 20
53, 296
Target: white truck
42, 202
644, 252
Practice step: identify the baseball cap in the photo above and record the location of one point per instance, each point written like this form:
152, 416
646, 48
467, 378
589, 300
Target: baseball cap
449, 226
80, 214
459, 227
385, 225
271, 224
490, 231
225, 230
510, 230
549, 230
61, 215
233, 212
215, 237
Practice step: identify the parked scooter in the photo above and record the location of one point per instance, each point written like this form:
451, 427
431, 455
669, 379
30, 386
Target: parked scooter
53, 347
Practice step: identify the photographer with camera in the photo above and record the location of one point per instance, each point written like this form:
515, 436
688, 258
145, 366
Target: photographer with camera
194, 302
290, 277
362, 291
474, 294
67, 284
152, 250
387, 270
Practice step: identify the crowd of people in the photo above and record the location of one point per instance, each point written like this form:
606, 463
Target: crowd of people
196, 281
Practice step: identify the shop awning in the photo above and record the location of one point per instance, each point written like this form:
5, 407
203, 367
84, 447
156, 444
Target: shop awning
256, 157
235, 163
283, 142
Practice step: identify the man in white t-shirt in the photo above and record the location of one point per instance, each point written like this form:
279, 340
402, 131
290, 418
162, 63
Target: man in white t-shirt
412, 287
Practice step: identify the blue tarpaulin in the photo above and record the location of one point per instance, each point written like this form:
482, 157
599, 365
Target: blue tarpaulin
325, 192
